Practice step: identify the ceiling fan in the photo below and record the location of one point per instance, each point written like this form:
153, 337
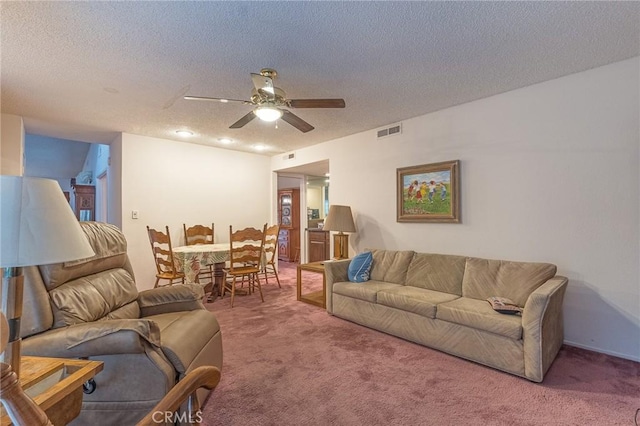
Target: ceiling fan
271, 102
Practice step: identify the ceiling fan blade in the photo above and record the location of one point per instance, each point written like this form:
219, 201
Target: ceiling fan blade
316, 103
296, 121
263, 84
244, 120
222, 100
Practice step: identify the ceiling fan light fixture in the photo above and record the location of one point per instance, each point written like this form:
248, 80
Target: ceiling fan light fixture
268, 113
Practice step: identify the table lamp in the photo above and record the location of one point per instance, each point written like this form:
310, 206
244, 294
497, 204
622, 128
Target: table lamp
340, 219
37, 227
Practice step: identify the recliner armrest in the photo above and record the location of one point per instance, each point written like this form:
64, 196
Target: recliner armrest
110, 337
174, 298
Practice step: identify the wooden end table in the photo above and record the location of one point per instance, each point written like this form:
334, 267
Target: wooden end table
55, 384
317, 298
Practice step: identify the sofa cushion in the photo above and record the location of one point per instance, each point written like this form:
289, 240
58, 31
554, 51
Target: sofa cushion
484, 278
479, 314
412, 299
360, 267
184, 334
109, 294
439, 272
390, 266
365, 291
110, 246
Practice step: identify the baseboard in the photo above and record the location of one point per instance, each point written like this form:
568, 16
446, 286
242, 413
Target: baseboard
602, 351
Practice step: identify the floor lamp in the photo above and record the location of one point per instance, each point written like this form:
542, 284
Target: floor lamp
340, 219
37, 227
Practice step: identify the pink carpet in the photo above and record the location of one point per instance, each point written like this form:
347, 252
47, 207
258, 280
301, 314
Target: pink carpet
290, 363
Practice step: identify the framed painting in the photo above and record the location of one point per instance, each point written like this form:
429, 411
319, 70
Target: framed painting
429, 193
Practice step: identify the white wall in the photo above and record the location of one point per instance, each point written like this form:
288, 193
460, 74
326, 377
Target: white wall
171, 183
11, 145
549, 173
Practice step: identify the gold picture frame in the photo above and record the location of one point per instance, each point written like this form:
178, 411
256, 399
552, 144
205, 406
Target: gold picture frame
429, 193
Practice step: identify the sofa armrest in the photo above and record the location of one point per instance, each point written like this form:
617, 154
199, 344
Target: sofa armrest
174, 298
335, 272
543, 327
110, 337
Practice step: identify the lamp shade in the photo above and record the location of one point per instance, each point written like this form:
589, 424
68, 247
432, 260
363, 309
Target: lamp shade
339, 219
37, 225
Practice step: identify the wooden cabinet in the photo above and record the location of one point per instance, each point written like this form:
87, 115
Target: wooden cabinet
84, 202
289, 221
318, 245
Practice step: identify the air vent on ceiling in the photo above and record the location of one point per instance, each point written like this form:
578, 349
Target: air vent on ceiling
289, 156
390, 131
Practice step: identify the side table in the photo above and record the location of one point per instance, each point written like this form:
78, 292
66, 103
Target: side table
317, 298
55, 385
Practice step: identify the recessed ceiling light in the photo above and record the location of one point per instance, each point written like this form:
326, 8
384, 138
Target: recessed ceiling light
259, 147
224, 101
184, 133
225, 141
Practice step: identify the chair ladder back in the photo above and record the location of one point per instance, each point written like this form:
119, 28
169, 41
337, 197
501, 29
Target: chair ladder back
245, 246
271, 243
198, 234
163, 252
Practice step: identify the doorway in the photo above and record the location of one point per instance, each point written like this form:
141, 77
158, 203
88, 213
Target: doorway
313, 181
101, 197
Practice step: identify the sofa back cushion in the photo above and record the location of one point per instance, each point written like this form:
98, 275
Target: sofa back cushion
390, 266
100, 287
485, 278
110, 246
108, 294
439, 272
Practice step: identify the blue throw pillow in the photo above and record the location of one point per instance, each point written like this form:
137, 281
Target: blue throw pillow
360, 267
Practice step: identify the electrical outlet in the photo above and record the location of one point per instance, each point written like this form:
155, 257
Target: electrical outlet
134, 214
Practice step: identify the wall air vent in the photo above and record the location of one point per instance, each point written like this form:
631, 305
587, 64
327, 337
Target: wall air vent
390, 131
289, 156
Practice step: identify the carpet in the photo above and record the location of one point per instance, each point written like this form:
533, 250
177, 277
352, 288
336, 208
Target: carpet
290, 363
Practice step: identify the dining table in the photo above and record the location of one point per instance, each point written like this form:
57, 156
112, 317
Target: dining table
191, 259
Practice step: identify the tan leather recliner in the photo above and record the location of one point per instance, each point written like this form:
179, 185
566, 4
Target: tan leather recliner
91, 308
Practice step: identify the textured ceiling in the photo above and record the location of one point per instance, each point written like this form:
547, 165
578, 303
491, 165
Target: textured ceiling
88, 70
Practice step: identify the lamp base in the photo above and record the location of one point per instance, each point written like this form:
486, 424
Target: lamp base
11, 306
340, 246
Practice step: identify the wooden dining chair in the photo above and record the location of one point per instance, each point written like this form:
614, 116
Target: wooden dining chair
163, 256
245, 256
270, 253
200, 234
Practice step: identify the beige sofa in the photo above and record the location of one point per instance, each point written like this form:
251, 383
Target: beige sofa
92, 309
440, 301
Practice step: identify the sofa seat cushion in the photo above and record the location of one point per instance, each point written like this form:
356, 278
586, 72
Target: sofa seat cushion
413, 299
364, 291
184, 334
479, 314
